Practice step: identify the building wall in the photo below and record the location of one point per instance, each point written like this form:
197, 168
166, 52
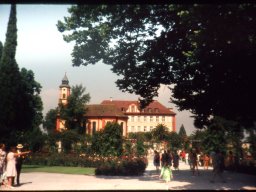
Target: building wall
100, 123
138, 121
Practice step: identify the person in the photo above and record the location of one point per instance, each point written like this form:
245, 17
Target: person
230, 161
186, 158
176, 160
169, 158
156, 160
164, 158
194, 162
166, 173
2, 164
19, 161
206, 161
11, 171
218, 166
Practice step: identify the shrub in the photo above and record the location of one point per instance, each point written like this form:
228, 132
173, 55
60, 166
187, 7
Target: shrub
123, 167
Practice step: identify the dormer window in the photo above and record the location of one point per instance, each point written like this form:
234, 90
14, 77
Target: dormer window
156, 110
122, 109
133, 108
149, 110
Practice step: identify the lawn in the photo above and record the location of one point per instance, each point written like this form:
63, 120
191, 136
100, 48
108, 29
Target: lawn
58, 169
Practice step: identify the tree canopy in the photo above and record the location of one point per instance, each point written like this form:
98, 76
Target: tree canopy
73, 112
205, 53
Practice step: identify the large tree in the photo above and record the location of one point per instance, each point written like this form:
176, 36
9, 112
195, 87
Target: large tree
10, 80
207, 52
20, 103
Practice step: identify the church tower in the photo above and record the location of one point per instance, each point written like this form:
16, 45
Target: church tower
64, 93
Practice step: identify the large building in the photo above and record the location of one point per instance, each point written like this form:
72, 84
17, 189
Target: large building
146, 119
125, 113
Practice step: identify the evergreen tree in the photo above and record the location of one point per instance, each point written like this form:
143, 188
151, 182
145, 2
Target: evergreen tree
183, 137
10, 79
20, 103
1, 50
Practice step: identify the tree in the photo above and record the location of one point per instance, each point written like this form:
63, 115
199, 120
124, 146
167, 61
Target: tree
183, 136
49, 122
20, 102
108, 141
10, 78
174, 141
73, 113
1, 50
207, 52
160, 133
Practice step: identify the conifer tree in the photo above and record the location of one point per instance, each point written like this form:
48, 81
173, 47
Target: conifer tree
10, 78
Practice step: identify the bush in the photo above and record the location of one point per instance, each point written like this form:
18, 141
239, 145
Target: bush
123, 167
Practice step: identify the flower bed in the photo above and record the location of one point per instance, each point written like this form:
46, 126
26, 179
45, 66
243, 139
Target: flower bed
104, 165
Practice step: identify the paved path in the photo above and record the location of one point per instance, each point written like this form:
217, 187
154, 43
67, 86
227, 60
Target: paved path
183, 180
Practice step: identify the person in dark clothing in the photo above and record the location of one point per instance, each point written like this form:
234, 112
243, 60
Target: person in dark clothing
19, 161
218, 166
169, 158
156, 160
164, 158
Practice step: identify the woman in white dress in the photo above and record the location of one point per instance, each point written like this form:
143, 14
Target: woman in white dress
11, 171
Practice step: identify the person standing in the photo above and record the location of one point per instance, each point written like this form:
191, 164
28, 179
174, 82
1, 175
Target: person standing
2, 162
11, 170
166, 172
156, 160
218, 166
206, 161
19, 161
176, 160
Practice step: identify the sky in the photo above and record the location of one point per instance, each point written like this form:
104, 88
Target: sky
41, 48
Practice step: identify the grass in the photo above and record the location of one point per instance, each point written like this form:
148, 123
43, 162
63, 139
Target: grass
58, 169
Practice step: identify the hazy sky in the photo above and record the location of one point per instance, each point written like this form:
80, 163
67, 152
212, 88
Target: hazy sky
42, 49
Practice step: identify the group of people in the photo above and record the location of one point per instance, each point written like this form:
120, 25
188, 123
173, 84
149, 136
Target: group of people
216, 159
166, 160
10, 165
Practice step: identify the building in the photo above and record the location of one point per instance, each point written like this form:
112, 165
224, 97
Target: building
146, 119
64, 92
125, 113
97, 116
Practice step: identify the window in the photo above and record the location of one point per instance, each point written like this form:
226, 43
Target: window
132, 129
145, 118
157, 118
149, 110
64, 96
138, 118
163, 118
145, 128
151, 128
151, 119
156, 110
132, 118
122, 109
139, 130
133, 108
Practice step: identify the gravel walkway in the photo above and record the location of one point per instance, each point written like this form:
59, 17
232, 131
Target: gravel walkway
183, 180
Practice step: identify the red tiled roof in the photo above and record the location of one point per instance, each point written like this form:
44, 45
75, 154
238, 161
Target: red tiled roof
153, 105
106, 110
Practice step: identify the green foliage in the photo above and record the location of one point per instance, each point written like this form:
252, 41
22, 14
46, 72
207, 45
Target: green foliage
201, 49
108, 141
49, 122
73, 112
160, 133
174, 140
122, 167
20, 102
